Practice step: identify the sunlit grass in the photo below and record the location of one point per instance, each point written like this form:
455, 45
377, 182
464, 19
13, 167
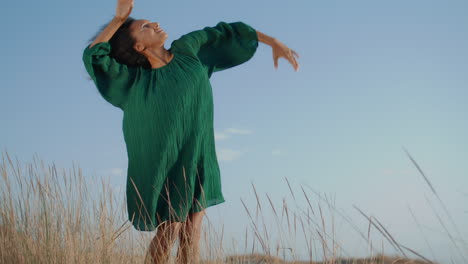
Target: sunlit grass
52, 216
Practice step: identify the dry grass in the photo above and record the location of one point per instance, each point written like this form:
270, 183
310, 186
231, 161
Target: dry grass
47, 216
52, 216
255, 258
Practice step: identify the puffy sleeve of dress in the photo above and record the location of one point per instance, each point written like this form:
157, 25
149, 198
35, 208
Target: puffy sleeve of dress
220, 47
113, 79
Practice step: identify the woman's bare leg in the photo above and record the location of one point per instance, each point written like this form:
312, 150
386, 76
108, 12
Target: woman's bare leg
189, 239
160, 246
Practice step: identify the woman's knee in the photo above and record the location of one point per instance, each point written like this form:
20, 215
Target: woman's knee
197, 217
168, 228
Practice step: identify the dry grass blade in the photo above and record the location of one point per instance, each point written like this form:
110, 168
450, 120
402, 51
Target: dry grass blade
285, 207
442, 204
290, 189
324, 246
422, 233
323, 219
417, 254
256, 230
421, 172
369, 228
313, 222
259, 206
449, 234
118, 232
308, 201
433, 190
384, 234
343, 215
308, 244
391, 237
272, 206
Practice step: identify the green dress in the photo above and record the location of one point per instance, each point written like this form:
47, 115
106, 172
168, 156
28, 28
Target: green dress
168, 121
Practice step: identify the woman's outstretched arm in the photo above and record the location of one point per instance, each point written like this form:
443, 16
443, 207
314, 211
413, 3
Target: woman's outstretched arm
279, 50
122, 12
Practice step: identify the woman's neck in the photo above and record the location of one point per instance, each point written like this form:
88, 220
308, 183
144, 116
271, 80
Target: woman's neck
158, 57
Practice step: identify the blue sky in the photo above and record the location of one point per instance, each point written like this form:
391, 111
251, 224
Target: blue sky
375, 76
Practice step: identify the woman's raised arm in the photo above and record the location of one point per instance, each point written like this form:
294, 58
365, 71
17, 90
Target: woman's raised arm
279, 50
122, 12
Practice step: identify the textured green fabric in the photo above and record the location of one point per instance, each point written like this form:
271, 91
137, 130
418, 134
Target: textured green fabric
168, 121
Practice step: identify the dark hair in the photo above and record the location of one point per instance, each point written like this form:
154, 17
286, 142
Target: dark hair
122, 46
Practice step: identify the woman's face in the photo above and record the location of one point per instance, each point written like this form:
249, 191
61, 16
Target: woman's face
147, 34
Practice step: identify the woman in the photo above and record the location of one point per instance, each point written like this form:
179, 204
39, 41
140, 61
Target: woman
173, 173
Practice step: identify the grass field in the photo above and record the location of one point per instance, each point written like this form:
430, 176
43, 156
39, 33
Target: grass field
51, 216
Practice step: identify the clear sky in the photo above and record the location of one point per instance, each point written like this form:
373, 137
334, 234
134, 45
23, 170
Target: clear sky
375, 76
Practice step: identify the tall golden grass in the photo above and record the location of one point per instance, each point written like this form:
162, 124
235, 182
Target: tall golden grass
49, 215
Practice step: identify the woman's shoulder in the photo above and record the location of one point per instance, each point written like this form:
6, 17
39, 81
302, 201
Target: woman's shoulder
98, 49
191, 39
182, 46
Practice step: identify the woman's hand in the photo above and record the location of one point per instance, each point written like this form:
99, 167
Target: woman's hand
279, 50
122, 12
124, 8
282, 51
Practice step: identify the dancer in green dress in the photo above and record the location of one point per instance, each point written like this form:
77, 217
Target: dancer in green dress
166, 98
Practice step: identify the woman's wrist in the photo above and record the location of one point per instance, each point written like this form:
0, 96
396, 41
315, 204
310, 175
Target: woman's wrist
265, 38
107, 33
119, 19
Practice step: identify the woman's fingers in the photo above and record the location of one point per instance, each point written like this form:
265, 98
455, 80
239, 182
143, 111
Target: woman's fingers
293, 60
124, 8
294, 63
295, 53
291, 57
282, 51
